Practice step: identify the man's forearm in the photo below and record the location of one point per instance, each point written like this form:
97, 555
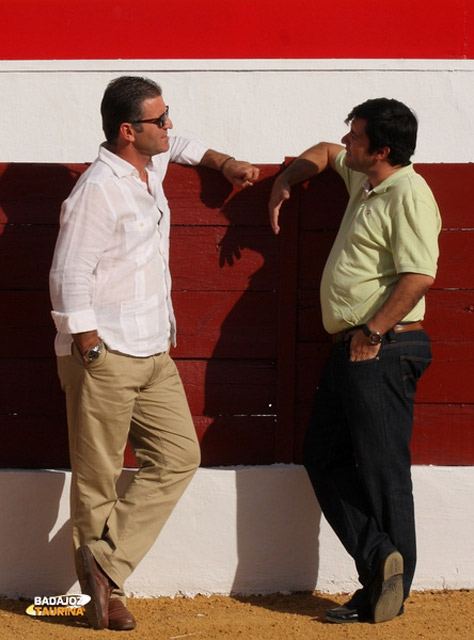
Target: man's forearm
308, 164
86, 340
311, 162
214, 159
409, 290
238, 172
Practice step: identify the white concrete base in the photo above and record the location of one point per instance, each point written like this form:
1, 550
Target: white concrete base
236, 530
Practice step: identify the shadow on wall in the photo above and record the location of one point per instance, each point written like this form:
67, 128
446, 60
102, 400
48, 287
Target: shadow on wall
277, 515
278, 524
33, 430
37, 557
241, 374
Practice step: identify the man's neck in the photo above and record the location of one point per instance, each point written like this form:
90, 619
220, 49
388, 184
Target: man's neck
381, 172
130, 155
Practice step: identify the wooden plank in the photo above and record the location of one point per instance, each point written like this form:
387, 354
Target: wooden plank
287, 327
225, 324
38, 180
30, 211
443, 434
219, 324
200, 196
30, 386
26, 327
445, 310
236, 440
314, 248
214, 387
229, 387
203, 258
26, 252
450, 315
455, 252
325, 196
33, 441
453, 188
447, 380
223, 259
323, 202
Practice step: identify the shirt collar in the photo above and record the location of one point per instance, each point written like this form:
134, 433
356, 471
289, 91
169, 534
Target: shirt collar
390, 181
119, 166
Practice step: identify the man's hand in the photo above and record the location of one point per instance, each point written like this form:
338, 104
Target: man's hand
360, 347
281, 191
86, 340
240, 173
308, 164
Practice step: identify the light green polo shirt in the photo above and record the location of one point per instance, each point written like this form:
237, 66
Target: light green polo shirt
386, 232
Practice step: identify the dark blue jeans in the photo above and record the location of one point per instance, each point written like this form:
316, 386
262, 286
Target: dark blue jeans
357, 450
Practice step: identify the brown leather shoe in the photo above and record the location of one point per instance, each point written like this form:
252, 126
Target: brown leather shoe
120, 618
95, 584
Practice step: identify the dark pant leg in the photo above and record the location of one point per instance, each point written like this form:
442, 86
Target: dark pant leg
357, 450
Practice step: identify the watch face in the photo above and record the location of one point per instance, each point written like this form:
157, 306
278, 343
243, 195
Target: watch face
94, 353
375, 338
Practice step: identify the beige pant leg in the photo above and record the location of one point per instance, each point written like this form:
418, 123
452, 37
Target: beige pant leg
118, 397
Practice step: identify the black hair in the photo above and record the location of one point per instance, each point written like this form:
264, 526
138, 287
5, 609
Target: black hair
390, 123
123, 101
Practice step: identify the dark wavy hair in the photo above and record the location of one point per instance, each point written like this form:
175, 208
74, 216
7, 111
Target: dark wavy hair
122, 102
390, 123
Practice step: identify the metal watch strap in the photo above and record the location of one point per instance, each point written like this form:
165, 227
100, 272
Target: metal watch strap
94, 353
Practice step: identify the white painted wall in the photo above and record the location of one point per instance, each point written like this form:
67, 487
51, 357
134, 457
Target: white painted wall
261, 110
236, 530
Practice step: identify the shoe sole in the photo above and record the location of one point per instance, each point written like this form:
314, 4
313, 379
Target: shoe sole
85, 569
389, 601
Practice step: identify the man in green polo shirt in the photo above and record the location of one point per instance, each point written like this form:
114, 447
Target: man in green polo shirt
382, 263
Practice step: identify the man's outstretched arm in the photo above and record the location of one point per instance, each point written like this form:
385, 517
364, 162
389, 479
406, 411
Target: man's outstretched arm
308, 164
238, 172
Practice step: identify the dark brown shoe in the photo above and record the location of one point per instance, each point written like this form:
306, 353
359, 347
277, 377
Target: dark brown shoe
386, 592
120, 618
95, 584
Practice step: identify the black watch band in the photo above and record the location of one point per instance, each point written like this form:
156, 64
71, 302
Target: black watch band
375, 337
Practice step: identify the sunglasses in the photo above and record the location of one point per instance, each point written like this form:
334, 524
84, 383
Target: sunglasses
160, 122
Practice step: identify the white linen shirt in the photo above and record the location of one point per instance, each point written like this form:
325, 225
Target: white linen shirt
110, 270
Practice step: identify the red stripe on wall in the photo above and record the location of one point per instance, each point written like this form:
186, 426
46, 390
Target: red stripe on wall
112, 29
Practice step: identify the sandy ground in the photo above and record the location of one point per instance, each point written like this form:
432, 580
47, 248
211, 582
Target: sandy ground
447, 615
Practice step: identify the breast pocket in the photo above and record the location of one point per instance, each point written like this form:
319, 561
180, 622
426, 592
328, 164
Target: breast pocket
140, 236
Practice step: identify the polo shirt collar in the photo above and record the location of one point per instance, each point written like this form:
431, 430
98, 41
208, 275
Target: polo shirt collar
391, 180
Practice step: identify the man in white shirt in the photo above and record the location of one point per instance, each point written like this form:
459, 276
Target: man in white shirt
111, 294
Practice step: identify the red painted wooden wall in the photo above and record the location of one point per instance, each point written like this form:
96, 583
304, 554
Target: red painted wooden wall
251, 343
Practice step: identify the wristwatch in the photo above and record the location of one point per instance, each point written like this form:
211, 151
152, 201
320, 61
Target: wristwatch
93, 353
375, 337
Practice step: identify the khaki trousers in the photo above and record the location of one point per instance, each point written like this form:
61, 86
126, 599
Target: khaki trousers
114, 399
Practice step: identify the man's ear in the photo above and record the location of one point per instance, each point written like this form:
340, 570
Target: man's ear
127, 131
382, 153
